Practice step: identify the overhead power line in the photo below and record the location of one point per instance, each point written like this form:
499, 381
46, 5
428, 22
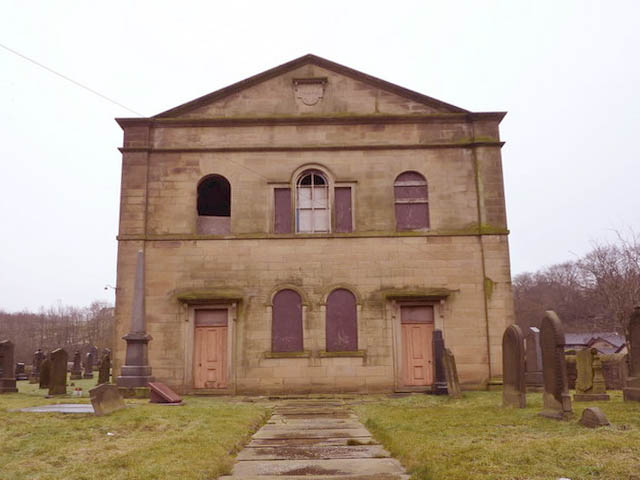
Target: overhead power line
50, 70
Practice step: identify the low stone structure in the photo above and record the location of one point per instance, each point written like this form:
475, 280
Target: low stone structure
557, 402
513, 368
38, 357
76, 370
45, 371
593, 417
20, 371
7, 378
533, 360
590, 382
106, 399
451, 374
58, 376
88, 365
160, 393
631, 389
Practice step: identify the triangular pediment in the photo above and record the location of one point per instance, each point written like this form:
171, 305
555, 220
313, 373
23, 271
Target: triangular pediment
310, 85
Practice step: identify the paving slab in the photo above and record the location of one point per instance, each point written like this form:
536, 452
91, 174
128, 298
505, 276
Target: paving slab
312, 452
341, 466
298, 433
319, 425
375, 476
61, 408
317, 442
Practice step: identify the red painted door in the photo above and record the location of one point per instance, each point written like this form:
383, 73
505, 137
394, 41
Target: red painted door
210, 356
417, 351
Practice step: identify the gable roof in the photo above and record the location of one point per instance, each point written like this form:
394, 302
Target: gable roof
297, 63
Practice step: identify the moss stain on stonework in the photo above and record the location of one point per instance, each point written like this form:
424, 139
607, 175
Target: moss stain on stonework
489, 285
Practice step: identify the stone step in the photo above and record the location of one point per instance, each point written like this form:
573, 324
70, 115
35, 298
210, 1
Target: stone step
294, 452
381, 476
308, 442
297, 433
314, 425
342, 467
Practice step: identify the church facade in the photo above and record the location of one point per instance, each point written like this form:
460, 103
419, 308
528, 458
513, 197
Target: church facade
307, 229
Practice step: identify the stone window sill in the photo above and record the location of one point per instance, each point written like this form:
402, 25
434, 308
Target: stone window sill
304, 354
355, 353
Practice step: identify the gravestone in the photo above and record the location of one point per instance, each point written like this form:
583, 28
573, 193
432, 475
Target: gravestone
593, 417
20, 372
104, 373
76, 370
590, 382
88, 365
440, 381
451, 374
136, 371
45, 372
514, 388
58, 375
160, 393
631, 390
533, 360
106, 399
7, 379
38, 357
556, 399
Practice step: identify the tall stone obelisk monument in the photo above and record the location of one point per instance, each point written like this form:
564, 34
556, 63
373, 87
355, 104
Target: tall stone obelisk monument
136, 371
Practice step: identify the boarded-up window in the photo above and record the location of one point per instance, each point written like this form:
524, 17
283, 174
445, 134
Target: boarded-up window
282, 210
412, 201
214, 205
312, 203
343, 209
286, 325
342, 327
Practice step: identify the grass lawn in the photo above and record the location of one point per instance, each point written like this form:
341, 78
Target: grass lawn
437, 438
194, 441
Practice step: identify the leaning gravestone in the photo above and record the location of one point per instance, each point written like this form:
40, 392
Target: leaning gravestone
451, 374
38, 357
76, 370
440, 381
590, 382
45, 372
533, 360
104, 373
58, 376
105, 399
160, 393
7, 378
556, 399
631, 390
593, 417
514, 387
88, 365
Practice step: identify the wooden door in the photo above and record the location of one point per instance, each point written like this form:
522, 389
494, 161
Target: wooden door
210, 356
417, 351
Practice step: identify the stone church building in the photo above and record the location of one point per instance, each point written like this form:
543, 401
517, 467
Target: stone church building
306, 230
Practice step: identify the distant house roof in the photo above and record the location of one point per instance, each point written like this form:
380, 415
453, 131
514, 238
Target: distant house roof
604, 342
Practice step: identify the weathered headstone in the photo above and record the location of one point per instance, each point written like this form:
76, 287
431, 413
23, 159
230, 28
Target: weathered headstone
593, 417
20, 372
45, 372
104, 374
38, 357
451, 374
533, 360
160, 393
590, 382
105, 399
88, 365
440, 381
136, 371
58, 375
556, 399
76, 370
514, 388
631, 390
7, 378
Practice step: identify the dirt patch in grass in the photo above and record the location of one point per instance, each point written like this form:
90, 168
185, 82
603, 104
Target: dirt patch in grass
437, 438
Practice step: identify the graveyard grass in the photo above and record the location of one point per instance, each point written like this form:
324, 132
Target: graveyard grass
438, 438
194, 441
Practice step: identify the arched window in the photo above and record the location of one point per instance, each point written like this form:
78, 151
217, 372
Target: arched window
341, 321
312, 203
214, 205
412, 201
286, 325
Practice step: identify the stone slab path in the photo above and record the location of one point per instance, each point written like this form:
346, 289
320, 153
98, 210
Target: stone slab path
307, 439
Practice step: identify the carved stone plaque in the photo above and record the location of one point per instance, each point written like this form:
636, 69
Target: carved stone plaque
309, 91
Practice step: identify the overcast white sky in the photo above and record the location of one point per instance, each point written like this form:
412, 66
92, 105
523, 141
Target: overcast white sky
566, 71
